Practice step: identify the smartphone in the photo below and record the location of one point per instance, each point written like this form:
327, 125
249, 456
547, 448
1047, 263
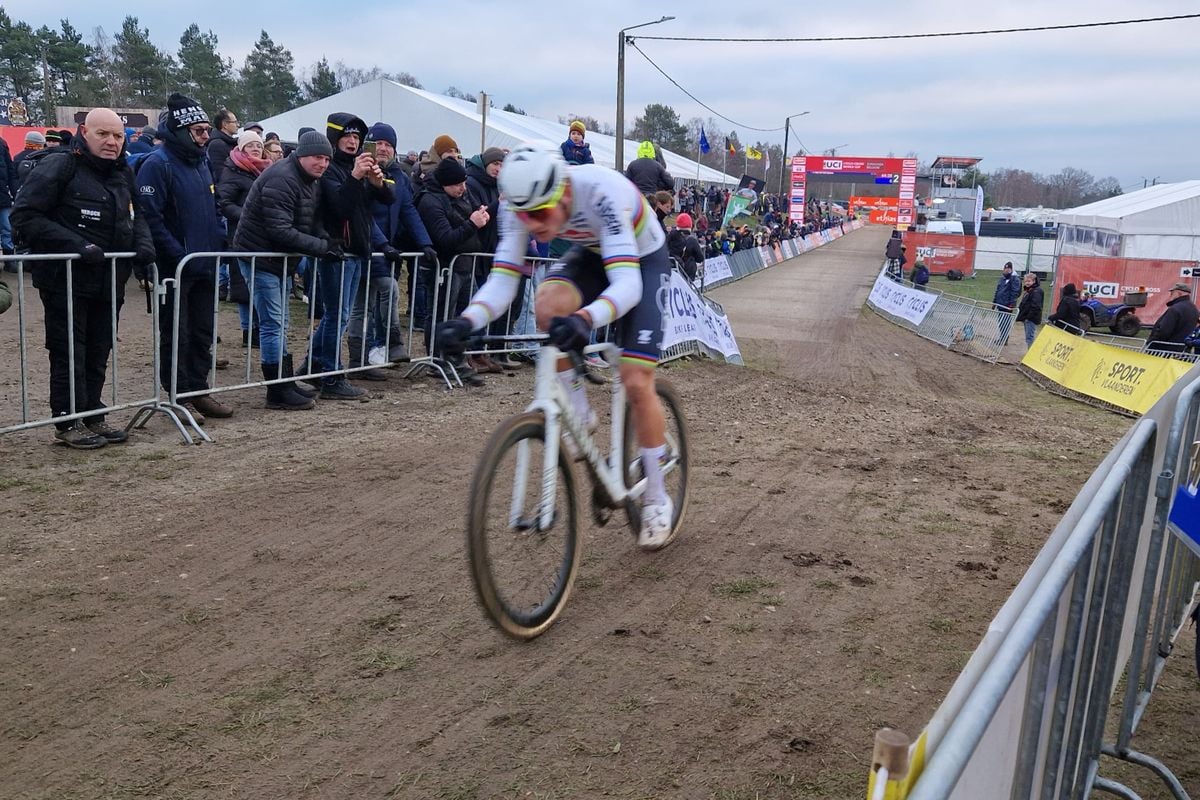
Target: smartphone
369, 147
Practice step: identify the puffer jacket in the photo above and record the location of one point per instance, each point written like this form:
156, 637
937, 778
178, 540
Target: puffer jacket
448, 221
281, 214
649, 175
74, 199
346, 201
218, 150
577, 153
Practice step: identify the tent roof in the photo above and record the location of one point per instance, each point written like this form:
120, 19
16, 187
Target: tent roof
1171, 209
420, 116
955, 162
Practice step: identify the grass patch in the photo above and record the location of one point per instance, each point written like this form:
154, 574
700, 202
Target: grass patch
194, 616
650, 572
157, 455
740, 587
379, 661
152, 680
827, 584
771, 600
266, 554
587, 582
938, 522
941, 624
743, 627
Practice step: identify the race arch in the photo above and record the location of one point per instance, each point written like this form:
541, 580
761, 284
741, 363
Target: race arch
898, 172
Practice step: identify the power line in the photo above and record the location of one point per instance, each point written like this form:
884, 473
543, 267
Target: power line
697, 99
1073, 26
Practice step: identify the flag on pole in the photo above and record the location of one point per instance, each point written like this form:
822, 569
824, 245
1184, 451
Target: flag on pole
768, 169
754, 154
730, 147
704, 148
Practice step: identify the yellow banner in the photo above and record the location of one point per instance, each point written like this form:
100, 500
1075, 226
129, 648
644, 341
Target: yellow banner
754, 154
1127, 379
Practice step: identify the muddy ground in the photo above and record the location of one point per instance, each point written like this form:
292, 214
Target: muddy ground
286, 613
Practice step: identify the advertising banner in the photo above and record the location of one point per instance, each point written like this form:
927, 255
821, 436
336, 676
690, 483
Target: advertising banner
899, 300
857, 202
1125, 378
942, 251
716, 268
688, 317
885, 217
742, 198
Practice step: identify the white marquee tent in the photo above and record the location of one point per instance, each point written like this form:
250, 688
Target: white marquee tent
419, 117
1156, 222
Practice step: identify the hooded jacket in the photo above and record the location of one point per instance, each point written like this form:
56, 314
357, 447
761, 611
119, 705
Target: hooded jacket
218, 152
448, 221
74, 199
483, 191
176, 195
1030, 307
281, 214
648, 172
1068, 310
346, 202
577, 153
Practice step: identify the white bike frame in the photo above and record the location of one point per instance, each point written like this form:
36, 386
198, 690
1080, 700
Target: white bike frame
559, 412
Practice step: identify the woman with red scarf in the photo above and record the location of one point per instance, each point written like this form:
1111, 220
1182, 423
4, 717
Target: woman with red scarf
245, 163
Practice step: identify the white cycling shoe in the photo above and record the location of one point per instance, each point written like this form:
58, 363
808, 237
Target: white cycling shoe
656, 524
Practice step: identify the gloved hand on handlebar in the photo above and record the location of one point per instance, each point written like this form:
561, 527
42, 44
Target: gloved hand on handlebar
450, 338
569, 333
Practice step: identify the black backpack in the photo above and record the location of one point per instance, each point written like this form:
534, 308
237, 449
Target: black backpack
954, 275
29, 162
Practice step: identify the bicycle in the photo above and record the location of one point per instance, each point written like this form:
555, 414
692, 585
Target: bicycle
523, 540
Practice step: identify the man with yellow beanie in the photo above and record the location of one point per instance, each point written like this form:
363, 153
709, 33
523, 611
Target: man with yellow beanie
574, 149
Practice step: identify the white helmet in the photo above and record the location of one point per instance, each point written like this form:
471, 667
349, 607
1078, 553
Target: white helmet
533, 176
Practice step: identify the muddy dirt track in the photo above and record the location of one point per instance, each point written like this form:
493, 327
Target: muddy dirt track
286, 613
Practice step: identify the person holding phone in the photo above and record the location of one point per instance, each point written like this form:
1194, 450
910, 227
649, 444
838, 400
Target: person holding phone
348, 188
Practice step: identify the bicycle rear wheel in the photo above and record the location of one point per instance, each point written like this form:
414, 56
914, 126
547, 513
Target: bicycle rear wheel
675, 463
522, 571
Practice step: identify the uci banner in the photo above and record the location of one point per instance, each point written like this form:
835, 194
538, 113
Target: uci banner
688, 317
1125, 378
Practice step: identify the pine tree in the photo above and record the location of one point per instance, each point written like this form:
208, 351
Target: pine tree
19, 62
266, 85
145, 69
324, 82
68, 56
203, 74
660, 124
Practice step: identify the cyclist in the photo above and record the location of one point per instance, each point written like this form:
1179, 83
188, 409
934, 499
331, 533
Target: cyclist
614, 271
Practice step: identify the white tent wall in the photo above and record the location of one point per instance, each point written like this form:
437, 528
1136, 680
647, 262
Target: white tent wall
420, 116
1161, 222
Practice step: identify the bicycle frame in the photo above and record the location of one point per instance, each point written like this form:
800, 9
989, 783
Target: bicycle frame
552, 401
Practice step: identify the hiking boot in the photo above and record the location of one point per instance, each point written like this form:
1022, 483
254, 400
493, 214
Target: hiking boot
484, 365
371, 374
111, 435
195, 412
284, 396
211, 407
656, 524
398, 354
340, 389
222, 363
80, 438
509, 361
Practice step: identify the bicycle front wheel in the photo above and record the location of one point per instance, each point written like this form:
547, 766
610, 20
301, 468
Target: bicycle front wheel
522, 565
674, 465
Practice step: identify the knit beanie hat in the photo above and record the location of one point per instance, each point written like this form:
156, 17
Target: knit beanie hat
149, 132
492, 155
313, 144
35, 137
684, 221
253, 126
449, 172
443, 143
578, 126
53, 137
303, 131
382, 132
183, 111
246, 137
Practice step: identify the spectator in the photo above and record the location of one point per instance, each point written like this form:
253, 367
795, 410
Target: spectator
663, 202
684, 247
406, 164
1030, 309
1004, 300
244, 165
8, 190
254, 126
1067, 314
920, 275
224, 139
574, 149
443, 147
79, 202
454, 226
144, 142
349, 186
647, 173
1176, 323
482, 172
35, 142
400, 228
281, 214
175, 195
273, 150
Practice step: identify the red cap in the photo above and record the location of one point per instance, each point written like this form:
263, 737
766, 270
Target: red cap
684, 220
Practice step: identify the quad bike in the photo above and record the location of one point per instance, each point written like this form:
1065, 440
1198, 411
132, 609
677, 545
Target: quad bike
1120, 318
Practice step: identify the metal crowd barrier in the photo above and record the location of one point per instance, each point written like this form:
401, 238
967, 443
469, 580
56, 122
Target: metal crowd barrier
1030, 715
145, 403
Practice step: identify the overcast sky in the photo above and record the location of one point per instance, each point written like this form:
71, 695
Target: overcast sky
1121, 101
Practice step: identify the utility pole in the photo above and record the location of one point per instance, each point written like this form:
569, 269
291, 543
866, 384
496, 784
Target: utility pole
620, 160
483, 108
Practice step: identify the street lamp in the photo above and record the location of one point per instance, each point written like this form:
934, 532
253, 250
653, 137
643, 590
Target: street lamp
787, 128
621, 88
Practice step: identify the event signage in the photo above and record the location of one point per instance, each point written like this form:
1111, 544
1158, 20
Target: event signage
688, 317
900, 173
716, 268
899, 300
1125, 378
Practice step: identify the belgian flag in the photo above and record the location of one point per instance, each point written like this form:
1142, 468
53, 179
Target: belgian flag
730, 146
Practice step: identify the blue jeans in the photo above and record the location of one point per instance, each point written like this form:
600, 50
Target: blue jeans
270, 296
5, 229
336, 286
377, 300
1030, 333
